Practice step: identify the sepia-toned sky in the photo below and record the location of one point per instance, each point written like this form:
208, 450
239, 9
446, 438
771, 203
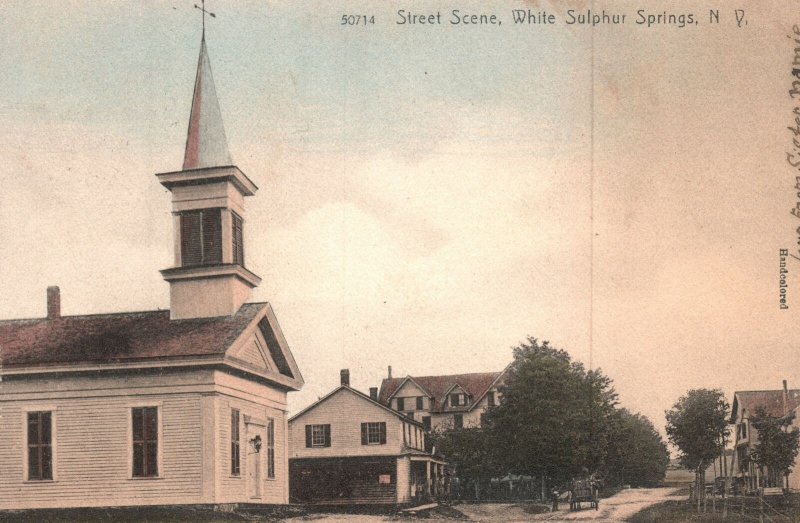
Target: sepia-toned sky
426, 193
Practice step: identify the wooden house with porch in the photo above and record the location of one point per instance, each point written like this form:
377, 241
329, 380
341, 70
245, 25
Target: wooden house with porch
777, 404
348, 449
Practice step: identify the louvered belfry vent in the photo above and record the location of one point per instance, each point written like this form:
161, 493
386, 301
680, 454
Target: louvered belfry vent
201, 237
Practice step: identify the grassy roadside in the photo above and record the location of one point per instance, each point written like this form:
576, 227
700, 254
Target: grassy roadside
740, 509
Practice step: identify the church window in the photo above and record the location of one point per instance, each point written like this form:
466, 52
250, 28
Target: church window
201, 237
238, 242
40, 446
235, 448
271, 448
145, 441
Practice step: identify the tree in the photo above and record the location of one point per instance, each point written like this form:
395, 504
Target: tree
697, 425
777, 445
637, 455
553, 420
472, 452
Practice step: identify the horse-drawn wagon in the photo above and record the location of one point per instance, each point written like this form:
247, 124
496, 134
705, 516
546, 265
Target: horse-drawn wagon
584, 491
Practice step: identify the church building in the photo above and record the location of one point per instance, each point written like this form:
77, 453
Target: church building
179, 406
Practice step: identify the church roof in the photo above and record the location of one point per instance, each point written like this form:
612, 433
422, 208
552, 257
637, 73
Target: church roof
476, 384
206, 144
121, 337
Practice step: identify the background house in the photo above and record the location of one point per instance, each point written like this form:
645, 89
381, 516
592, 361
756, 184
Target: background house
347, 448
443, 402
777, 404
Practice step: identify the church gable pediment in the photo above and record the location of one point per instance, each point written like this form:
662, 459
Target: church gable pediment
263, 350
253, 352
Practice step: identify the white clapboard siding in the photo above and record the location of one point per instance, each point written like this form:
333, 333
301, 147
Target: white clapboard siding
233, 489
345, 411
92, 453
92, 439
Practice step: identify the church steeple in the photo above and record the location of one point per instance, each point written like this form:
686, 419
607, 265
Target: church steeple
206, 144
209, 277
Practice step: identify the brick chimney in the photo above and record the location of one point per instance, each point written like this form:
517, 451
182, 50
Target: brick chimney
345, 376
53, 303
373, 393
390, 372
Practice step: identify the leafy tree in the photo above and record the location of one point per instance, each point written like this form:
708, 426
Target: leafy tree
777, 445
473, 453
636, 453
697, 425
553, 420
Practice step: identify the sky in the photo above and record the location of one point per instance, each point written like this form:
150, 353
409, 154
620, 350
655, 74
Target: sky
430, 196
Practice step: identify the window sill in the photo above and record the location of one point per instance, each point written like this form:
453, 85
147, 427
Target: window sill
235, 477
145, 478
38, 481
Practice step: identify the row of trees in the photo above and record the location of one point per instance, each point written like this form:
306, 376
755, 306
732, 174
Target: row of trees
557, 420
698, 427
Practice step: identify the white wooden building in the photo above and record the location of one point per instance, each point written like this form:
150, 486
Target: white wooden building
184, 406
776, 404
443, 402
349, 449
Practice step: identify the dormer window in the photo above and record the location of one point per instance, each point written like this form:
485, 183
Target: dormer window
201, 237
458, 399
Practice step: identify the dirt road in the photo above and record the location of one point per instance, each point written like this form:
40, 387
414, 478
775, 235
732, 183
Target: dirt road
613, 509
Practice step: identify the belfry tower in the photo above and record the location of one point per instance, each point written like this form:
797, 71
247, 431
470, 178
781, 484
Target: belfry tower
209, 277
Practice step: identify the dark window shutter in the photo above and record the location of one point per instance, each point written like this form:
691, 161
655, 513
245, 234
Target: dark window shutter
191, 250
364, 436
383, 433
212, 236
308, 436
327, 435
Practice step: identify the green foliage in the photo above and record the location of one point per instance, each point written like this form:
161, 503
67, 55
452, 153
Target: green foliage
637, 455
697, 425
777, 445
554, 417
559, 420
471, 450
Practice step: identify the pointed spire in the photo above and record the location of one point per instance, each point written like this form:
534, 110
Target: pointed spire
206, 145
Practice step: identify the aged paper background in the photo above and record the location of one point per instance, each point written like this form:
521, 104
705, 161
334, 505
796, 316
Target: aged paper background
430, 195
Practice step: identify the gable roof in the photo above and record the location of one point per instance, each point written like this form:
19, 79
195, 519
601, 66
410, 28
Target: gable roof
476, 384
133, 338
360, 395
770, 400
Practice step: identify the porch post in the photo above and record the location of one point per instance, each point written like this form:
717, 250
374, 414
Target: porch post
428, 477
